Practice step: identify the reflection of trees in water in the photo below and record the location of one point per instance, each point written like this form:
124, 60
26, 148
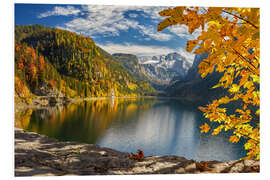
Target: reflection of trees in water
84, 121
99, 115
22, 118
37, 117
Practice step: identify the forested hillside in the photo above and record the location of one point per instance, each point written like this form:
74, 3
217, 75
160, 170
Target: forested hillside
130, 62
56, 62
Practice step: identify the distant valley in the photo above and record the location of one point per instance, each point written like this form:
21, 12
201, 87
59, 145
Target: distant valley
173, 75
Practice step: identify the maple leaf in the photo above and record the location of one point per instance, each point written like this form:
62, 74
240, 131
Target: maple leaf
205, 128
140, 154
191, 45
234, 88
203, 166
234, 139
217, 130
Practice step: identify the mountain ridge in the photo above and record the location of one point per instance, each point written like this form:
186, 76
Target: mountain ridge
159, 71
193, 88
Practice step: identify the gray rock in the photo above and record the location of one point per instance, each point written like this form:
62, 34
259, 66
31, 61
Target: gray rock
38, 155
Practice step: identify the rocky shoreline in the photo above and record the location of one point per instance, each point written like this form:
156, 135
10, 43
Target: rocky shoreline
38, 155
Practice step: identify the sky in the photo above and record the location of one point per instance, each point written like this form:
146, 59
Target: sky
116, 29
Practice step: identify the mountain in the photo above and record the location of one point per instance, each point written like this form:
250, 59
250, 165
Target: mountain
59, 62
159, 71
192, 88
164, 68
131, 63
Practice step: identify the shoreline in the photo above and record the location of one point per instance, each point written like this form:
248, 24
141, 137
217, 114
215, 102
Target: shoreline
39, 155
38, 104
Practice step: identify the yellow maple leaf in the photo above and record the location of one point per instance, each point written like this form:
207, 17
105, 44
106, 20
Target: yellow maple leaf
257, 112
234, 88
216, 23
218, 130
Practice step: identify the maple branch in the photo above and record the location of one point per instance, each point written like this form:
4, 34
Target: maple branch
238, 23
247, 137
244, 135
241, 19
247, 50
235, 130
240, 55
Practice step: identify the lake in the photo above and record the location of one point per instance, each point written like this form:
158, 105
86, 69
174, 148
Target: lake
156, 126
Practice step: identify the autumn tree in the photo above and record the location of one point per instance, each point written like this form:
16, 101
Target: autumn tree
231, 37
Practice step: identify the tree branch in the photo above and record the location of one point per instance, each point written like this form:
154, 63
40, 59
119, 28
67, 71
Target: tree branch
241, 19
240, 55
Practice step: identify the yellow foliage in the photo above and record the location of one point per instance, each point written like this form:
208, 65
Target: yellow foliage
205, 128
234, 88
217, 130
132, 86
234, 139
232, 40
191, 45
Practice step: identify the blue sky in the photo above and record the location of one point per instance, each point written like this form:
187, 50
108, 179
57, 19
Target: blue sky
124, 29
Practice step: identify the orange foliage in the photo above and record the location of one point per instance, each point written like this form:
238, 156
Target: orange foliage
41, 63
32, 69
52, 83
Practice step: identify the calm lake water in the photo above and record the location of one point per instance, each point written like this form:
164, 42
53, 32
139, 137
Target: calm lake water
157, 126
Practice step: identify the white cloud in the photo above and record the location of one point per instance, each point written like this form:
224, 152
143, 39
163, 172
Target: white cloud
139, 50
143, 50
110, 20
153, 11
154, 34
105, 20
60, 11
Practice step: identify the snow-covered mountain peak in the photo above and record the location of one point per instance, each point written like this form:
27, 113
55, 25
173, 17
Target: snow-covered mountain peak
166, 61
165, 67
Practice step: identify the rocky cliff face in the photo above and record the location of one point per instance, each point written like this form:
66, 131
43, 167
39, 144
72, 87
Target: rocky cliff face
158, 70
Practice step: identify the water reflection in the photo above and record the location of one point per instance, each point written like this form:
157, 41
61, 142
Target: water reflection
158, 127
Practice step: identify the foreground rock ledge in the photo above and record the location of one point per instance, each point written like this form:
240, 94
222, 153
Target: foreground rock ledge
38, 155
